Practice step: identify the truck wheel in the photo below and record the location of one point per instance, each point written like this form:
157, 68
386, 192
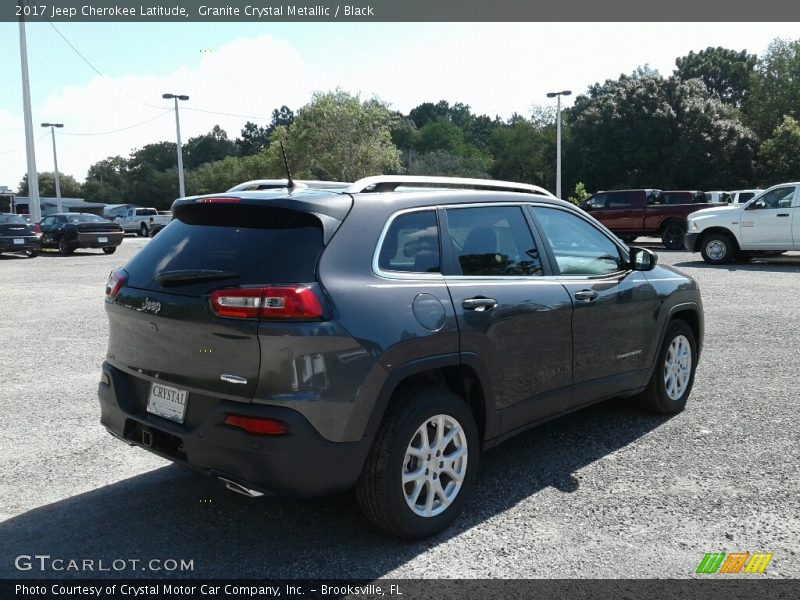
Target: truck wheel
64, 247
717, 248
143, 231
673, 375
672, 236
110, 249
422, 464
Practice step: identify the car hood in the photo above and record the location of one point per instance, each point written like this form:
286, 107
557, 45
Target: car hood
717, 210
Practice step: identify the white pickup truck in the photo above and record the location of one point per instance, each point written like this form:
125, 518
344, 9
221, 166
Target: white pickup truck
141, 220
767, 225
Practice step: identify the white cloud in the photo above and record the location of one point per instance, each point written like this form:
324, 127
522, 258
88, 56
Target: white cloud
247, 76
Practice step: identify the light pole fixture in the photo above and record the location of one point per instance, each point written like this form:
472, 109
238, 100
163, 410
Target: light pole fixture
52, 127
176, 97
558, 136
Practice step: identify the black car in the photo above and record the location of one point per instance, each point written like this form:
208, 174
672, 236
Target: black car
69, 231
307, 341
18, 235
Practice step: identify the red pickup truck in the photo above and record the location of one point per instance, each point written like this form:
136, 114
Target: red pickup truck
634, 213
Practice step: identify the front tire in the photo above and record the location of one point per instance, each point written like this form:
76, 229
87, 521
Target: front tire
673, 376
422, 464
143, 231
672, 236
718, 248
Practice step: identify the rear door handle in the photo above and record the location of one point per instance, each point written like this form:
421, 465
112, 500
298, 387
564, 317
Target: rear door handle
478, 304
585, 295
783, 214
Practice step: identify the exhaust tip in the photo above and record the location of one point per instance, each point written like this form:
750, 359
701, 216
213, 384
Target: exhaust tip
239, 488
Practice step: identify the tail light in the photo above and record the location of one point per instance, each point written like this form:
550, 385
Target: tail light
258, 425
36, 229
116, 279
296, 302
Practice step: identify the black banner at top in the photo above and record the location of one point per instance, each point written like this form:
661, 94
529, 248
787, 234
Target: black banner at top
265, 11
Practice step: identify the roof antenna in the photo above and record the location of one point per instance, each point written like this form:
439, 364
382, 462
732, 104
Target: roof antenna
290, 182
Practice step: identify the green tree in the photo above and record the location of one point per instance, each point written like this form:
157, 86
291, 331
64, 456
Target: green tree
106, 180
580, 194
224, 174
252, 140
337, 136
70, 188
521, 152
779, 156
207, 148
447, 164
776, 87
727, 74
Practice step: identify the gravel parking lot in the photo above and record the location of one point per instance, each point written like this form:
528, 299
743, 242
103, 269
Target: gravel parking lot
607, 492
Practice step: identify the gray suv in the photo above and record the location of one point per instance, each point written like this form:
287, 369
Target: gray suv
303, 341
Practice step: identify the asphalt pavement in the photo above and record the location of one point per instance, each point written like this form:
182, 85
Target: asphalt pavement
610, 491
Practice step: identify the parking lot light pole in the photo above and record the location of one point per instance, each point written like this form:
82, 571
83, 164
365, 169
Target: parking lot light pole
34, 206
558, 136
52, 127
176, 97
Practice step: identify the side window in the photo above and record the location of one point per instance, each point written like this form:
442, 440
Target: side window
745, 197
48, 221
619, 199
493, 241
579, 248
411, 244
597, 201
778, 198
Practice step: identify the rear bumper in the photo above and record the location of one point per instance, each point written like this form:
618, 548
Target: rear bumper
301, 463
690, 241
29, 243
92, 240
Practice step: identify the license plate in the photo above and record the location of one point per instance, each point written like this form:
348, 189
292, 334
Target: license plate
102, 239
19, 241
167, 402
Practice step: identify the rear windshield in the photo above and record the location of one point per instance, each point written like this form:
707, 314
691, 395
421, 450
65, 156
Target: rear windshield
252, 245
145, 212
12, 220
85, 219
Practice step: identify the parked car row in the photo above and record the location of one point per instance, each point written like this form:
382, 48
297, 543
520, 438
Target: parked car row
767, 225
65, 231
634, 213
651, 212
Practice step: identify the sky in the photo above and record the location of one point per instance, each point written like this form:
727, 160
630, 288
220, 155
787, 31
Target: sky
247, 69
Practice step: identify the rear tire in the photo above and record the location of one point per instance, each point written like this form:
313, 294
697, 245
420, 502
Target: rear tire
64, 247
31, 253
110, 249
412, 446
718, 248
673, 376
672, 236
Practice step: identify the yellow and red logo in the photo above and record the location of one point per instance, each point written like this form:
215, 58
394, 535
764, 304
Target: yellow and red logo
734, 562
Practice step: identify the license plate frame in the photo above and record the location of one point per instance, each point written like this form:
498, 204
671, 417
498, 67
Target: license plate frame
102, 240
19, 241
167, 402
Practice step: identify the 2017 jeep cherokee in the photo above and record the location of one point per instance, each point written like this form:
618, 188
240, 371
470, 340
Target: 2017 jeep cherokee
305, 341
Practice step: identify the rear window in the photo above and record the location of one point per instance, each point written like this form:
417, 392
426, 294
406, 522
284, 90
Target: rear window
146, 212
257, 245
12, 220
85, 219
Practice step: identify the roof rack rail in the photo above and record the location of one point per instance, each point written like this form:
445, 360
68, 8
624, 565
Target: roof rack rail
388, 183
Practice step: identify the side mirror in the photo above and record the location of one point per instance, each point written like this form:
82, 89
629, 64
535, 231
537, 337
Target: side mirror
642, 259
585, 206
